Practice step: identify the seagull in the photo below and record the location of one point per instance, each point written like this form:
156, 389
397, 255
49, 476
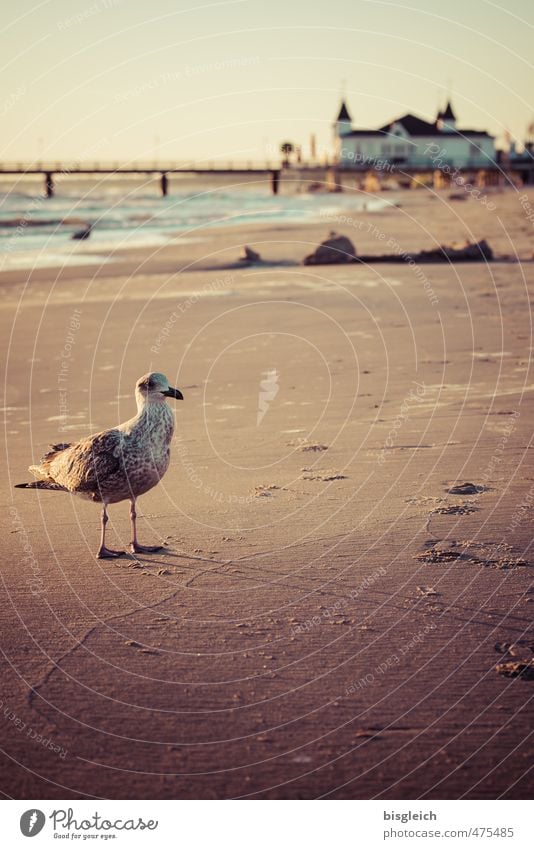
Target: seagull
117, 464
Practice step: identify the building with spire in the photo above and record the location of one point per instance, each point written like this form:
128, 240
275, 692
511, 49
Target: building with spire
343, 122
448, 120
413, 142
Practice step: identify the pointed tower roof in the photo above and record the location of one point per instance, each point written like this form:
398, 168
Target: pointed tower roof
449, 115
343, 113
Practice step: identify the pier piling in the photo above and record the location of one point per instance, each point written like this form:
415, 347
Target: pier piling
49, 184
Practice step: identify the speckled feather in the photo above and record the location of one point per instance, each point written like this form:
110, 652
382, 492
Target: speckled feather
116, 464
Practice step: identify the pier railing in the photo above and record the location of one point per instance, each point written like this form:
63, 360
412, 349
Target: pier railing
331, 173
51, 169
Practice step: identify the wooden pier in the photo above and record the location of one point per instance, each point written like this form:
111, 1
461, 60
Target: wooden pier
50, 171
331, 176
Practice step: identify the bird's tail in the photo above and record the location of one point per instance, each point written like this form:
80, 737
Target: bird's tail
41, 485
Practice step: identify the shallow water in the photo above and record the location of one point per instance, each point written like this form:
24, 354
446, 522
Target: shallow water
37, 232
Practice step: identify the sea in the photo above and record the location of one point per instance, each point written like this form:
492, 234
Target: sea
124, 212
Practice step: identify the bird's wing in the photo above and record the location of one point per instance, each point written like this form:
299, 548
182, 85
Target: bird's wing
60, 446
41, 471
85, 466
56, 449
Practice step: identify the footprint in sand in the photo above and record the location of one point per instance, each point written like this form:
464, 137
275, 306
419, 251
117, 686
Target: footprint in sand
424, 500
427, 592
322, 475
142, 649
436, 555
520, 649
487, 554
303, 444
516, 669
265, 490
454, 510
518, 659
466, 488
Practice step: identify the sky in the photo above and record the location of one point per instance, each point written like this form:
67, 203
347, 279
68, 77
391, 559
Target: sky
182, 80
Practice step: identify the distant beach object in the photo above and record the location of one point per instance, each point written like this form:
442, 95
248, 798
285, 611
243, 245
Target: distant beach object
286, 149
335, 249
117, 464
339, 249
83, 234
468, 252
249, 255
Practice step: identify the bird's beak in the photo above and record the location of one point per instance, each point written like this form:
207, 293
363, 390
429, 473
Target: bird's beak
174, 393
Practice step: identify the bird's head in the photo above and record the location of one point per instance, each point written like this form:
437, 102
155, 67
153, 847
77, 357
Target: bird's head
153, 388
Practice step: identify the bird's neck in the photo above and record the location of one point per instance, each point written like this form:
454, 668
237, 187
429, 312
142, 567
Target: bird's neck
156, 406
152, 422
153, 412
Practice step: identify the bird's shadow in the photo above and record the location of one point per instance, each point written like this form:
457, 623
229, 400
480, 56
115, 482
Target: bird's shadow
152, 557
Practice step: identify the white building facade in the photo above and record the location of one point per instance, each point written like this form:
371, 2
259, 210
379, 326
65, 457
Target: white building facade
412, 142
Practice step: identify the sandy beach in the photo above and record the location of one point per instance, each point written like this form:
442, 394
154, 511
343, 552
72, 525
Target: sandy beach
328, 619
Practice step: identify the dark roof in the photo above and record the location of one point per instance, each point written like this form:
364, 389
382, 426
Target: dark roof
343, 113
415, 126
474, 133
449, 114
365, 133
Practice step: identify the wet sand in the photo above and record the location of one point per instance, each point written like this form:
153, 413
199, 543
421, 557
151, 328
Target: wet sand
328, 619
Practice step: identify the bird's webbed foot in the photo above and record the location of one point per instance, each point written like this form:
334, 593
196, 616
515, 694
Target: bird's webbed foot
108, 553
137, 548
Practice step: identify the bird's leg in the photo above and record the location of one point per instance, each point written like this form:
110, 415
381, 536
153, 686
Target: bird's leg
103, 552
136, 547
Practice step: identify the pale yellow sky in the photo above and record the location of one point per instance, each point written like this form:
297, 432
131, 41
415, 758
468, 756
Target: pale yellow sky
120, 79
